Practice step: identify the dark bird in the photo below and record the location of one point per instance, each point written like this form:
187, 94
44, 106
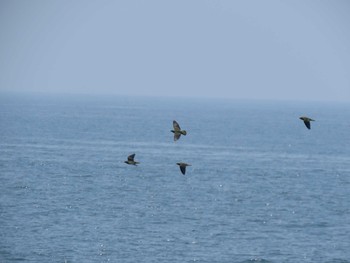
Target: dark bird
131, 160
183, 167
177, 131
306, 121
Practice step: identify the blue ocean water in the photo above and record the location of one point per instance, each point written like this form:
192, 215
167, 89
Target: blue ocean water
261, 188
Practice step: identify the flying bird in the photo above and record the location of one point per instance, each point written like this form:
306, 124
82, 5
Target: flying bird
177, 131
306, 121
183, 167
131, 160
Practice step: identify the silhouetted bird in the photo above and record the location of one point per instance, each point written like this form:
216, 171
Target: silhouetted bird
177, 131
131, 160
183, 167
307, 120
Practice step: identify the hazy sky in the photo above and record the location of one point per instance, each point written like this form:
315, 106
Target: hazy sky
239, 49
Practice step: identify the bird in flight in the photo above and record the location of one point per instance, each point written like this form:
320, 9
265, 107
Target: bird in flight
177, 131
131, 160
306, 121
183, 167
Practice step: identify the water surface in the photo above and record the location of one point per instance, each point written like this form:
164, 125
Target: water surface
261, 188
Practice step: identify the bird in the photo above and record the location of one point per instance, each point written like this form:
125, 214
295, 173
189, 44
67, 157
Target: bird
306, 121
183, 167
177, 131
131, 160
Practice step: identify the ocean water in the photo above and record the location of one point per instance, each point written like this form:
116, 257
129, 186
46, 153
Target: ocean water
261, 188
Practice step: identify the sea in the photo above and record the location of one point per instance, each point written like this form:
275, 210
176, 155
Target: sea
261, 186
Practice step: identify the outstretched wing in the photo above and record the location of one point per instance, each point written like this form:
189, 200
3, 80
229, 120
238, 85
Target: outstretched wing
307, 124
176, 126
131, 157
177, 136
183, 169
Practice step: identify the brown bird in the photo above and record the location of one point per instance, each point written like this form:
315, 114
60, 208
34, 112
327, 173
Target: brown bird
177, 131
183, 167
306, 121
131, 160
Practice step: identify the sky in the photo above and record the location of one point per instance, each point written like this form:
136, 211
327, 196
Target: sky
248, 49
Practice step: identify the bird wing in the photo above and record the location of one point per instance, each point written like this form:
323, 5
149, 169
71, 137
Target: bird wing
307, 124
176, 126
177, 136
131, 157
183, 169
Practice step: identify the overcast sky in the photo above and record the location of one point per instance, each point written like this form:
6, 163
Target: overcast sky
238, 49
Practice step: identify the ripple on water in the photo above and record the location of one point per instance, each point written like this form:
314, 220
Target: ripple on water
256, 260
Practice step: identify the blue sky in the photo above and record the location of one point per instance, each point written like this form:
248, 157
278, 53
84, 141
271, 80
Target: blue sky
283, 50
